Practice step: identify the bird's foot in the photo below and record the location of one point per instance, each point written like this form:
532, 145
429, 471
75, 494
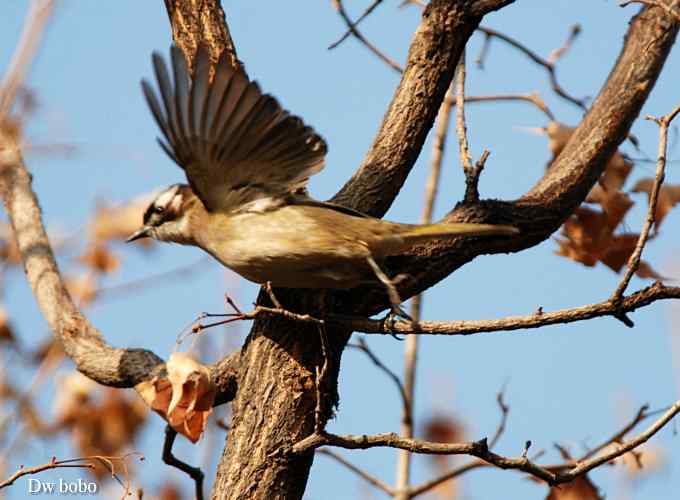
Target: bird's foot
396, 313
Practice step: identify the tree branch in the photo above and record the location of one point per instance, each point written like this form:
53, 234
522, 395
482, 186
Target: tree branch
81, 341
52, 464
547, 64
197, 22
634, 260
435, 50
481, 450
562, 188
352, 28
641, 415
630, 303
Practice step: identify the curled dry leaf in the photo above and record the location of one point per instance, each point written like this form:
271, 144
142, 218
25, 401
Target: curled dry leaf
184, 397
615, 205
589, 239
617, 170
119, 221
642, 462
618, 252
169, 491
669, 196
83, 289
442, 428
100, 259
102, 421
589, 234
6, 330
9, 252
580, 488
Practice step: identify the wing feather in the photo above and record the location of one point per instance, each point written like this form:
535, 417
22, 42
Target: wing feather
236, 145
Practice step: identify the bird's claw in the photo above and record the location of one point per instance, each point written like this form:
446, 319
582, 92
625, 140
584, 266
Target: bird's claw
396, 312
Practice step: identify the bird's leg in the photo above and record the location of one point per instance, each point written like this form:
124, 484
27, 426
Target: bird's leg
392, 293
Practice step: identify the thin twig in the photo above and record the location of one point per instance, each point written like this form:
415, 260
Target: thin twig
533, 98
363, 16
556, 54
363, 347
630, 303
272, 296
505, 410
634, 259
359, 36
152, 280
52, 464
481, 450
194, 472
548, 65
471, 173
34, 28
461, 128
319, 420
381, 485
641, 415
452, 474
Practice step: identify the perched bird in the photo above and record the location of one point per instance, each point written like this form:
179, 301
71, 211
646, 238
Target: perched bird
248, 161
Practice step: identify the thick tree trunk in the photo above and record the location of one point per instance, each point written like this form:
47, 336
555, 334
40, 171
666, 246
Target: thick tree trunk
274, 408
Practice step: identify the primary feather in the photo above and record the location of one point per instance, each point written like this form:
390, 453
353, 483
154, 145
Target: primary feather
239, 148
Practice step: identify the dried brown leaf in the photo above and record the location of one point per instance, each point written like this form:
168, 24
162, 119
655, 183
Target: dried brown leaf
184, 398
443, 429
615, 173
6, 330
669, 196
9, 252
615, 204
169, 492
83, 289
619, 251
100, 259
116, 223
580, 488
102, 421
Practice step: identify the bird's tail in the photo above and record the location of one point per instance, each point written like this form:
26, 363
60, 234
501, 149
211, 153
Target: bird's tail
455, 230
400, 240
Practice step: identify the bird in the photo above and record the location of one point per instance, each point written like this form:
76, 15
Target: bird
247, 161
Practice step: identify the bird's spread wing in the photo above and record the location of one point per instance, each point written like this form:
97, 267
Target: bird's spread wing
239, 148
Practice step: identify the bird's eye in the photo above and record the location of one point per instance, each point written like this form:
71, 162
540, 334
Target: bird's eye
159, 210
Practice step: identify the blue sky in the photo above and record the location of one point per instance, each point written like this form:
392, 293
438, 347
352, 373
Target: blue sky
571, 384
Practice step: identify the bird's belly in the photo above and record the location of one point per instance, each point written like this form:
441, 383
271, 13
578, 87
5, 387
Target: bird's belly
290, 256
287, 273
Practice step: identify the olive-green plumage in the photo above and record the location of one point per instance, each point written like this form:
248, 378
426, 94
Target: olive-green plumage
247, 161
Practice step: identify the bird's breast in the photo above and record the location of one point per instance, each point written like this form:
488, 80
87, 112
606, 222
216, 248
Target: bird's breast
288, 247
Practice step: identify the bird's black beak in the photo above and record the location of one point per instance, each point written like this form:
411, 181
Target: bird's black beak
141, 233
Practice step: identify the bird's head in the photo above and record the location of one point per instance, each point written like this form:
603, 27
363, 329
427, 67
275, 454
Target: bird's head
167, 217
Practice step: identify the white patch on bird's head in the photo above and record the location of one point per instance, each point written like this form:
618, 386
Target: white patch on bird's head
167, 216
